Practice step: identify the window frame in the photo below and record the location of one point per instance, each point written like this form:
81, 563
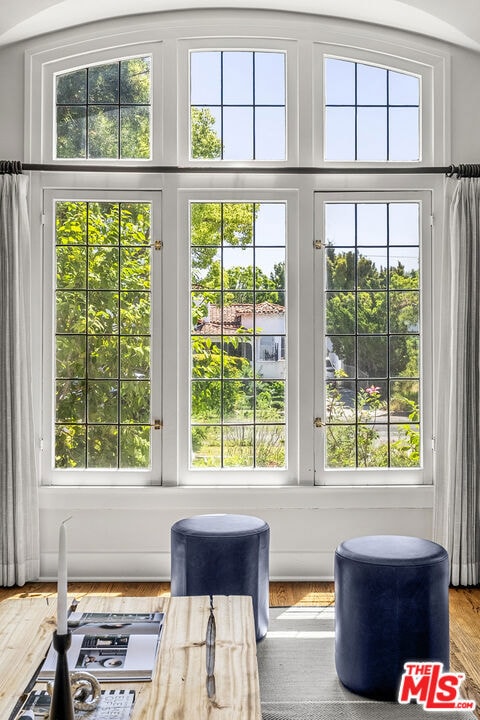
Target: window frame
43, 145
418, 65
276, 477
378, 476
170, 38
252, 44
98, 476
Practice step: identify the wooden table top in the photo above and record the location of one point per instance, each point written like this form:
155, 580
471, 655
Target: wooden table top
178, 689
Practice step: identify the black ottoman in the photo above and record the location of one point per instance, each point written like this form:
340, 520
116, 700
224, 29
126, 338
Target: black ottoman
391, 606
223, 555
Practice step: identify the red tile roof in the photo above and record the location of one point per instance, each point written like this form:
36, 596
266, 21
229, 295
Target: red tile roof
232, 317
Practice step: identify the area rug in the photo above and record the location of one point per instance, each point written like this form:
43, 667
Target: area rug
298, 679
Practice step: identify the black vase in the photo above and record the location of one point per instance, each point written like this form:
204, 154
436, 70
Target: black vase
61, 707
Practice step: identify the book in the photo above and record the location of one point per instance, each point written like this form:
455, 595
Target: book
111, 646
113, 705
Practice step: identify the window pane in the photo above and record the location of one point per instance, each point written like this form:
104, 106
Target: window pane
372, 346
102, 401
102, 268
72, 88
372, 268
238, 342
135, 132
103, 138
371, 85
270, 224
237, 78
372, 224
103, 223
102, 356
135, 81
237, 133
371, 114
340, 313
372, 356
269, 276
404, 356
71, 356
103, 387
404, 223
70, 446
404, 134
237, 101
71, 267
341, 443
404, 401
371, 134
339, 82
113, 100
270, 446
403, 89
341, 355
135, 357
340, 133
206, 132
71, 131
103, 83
404, 267
205, 78
340, 224
102, 446
269, 78
135, 447
270, 133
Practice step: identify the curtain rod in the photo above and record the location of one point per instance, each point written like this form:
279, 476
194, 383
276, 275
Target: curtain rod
459, 171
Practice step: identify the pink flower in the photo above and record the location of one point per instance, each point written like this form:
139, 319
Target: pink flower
372, 390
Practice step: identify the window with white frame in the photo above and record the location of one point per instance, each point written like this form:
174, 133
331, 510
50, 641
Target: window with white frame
256, 357
103, 111
237, 101
238, 335
371, 112
99, 290
375, 274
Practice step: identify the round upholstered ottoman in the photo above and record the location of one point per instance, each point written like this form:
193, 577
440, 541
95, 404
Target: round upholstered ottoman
391, 607
223, 555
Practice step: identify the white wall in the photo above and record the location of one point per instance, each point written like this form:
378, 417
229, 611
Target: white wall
124, 532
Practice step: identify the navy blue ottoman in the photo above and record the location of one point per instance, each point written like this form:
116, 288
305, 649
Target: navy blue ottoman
223, 555
391, 606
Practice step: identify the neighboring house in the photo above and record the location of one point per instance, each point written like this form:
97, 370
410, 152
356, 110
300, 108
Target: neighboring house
266, 321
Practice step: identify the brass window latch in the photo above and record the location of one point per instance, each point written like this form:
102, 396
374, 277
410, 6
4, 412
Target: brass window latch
318, 422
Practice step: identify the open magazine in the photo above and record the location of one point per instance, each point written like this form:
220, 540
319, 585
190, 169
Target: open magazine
111, 646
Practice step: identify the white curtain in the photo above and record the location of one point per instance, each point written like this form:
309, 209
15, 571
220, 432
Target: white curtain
457, 473
19, 536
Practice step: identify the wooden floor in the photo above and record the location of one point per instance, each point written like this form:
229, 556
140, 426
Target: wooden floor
464, 614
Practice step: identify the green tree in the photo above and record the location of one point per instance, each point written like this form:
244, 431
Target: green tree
205, 142
372, 319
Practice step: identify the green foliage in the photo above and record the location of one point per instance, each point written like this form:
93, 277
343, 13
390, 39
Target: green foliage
372, 321
230, 409
205, 142
357, 431
103, 327
113, 101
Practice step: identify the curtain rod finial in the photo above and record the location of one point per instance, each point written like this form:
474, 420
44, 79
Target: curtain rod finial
10, 167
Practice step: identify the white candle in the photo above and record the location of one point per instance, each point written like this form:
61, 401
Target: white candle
62, 582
